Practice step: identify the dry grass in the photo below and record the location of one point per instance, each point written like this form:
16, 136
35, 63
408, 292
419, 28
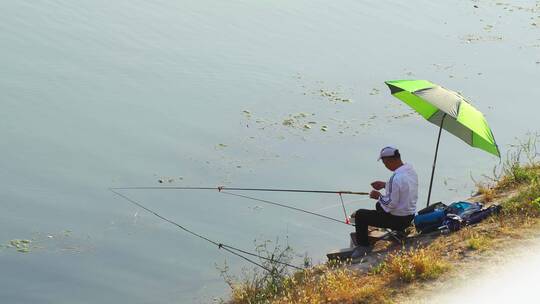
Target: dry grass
333, 285
326, 284
340, 284
415, 264
478, 241
487, 192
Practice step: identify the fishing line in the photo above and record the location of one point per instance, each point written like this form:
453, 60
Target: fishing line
344, 211
286, 206
225, 247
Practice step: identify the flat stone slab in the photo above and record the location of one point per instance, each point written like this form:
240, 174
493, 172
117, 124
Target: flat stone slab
340, 254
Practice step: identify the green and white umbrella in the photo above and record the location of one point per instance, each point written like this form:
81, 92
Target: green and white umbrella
448, 110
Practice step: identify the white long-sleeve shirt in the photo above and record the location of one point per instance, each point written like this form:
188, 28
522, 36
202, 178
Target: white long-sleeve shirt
401, 192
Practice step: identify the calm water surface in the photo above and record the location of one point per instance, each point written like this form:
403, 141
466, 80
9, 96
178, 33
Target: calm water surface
98, 94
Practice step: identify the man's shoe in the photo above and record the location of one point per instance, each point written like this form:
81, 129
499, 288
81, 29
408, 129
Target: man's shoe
360, 252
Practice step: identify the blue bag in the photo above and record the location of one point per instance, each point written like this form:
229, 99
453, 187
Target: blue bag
453, 216
459, 214
482, 214
463, 209
430, 218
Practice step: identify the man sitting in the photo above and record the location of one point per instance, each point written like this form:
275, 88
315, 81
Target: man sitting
395, 209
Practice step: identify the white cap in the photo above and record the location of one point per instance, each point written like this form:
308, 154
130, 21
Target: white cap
388, 151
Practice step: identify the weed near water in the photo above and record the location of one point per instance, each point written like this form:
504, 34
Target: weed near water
257, 285
521, 164
487, 192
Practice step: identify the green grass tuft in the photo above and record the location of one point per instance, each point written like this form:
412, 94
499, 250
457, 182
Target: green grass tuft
478, 242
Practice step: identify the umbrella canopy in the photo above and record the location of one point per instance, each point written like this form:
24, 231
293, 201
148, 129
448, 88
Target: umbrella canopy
448, 110
436, 103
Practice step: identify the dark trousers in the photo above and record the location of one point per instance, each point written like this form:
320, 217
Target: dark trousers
377, 218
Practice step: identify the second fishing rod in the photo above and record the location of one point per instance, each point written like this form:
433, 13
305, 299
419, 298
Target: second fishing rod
222, 189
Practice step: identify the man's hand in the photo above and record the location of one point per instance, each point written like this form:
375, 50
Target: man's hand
378, 185
374, 194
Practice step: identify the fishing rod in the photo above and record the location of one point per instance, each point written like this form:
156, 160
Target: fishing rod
221, 188
228, 248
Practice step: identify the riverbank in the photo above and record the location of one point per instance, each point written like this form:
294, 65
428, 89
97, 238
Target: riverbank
494, 276
396, 274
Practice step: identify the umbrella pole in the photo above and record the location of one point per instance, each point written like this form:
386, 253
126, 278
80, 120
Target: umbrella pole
435, 160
